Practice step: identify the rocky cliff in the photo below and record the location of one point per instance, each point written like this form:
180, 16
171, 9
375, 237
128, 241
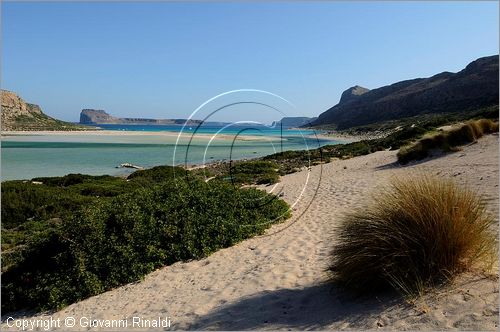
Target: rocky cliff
93, 117
474, 87
293, 122
352, 94
20, 115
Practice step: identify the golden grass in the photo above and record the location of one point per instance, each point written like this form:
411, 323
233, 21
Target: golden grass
417, 232
448, 140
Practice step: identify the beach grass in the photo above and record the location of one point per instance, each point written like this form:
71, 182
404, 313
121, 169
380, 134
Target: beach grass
418, 232
446, 141
389, 135
49, 224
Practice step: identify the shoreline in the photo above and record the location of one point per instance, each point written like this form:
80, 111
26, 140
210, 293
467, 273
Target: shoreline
104, 132
145, 137
281, 274
124, 133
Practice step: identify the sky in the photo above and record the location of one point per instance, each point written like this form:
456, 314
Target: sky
165, 59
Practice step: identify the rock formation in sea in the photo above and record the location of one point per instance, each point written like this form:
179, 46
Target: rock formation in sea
95, 117
293, 122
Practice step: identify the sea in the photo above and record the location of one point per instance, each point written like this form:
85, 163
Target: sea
40, 155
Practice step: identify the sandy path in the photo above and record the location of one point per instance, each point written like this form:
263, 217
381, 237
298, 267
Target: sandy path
279, 281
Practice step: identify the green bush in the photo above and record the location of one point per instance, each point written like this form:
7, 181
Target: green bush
24, 201
72, 179
119, 240
408, 130
292, 161
26, 205
418, 232
158, 174
252, 172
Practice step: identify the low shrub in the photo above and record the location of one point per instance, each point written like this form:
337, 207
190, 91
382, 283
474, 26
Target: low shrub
292, 161
27, 207
158, 174
24, 201
73, 179
253, 172
417, 232
119, 240
26, 204
402, 133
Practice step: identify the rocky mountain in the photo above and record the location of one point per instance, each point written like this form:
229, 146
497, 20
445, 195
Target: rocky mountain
94, 117
20, 115
352, 93
474, 87
293, 122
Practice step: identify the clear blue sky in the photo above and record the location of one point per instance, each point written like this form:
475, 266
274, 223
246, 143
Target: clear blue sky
162, 60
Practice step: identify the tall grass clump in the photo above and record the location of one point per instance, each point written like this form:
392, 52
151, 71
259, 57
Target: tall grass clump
447, 140
419, 231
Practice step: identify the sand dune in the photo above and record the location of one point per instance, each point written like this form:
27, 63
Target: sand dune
279, 281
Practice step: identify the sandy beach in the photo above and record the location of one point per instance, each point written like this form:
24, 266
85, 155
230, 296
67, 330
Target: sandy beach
279, 280
205, 166
170, 134
117, 133
56, 153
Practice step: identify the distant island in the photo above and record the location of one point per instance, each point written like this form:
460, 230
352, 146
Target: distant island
18, 115
96, 117
65, 233
293, 122
472, 88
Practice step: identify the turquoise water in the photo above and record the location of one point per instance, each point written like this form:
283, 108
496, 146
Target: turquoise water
254, 129
28, 156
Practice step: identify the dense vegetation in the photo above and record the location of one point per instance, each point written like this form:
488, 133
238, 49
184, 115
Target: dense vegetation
28, 207
423, 120
252, 172
419, 232
67, 238
76, 236
291, 161
39, 121
401, 132
447, 140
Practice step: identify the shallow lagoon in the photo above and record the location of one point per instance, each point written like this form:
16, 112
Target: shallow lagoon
31, 155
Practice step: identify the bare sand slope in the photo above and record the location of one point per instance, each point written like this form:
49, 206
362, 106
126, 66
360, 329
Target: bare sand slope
279, 281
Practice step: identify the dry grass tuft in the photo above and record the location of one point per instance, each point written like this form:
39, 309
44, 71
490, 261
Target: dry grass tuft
447, 141
418, 232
